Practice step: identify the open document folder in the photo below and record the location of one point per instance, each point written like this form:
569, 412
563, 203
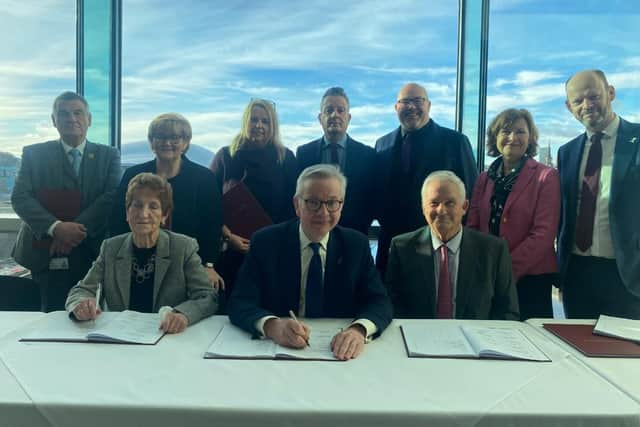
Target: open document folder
234, 343
438, 339
126, 327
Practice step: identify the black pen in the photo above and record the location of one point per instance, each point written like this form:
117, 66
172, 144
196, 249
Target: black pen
293, 316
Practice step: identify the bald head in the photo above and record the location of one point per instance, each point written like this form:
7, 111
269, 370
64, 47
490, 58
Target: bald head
413, 106
589, 98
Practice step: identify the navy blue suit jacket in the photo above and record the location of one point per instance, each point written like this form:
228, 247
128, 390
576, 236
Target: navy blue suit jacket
358, 210
269, 280
624, 202
440, 148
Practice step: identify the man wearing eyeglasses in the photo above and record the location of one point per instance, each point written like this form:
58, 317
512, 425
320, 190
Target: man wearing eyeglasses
311, 267
354, 159
63, 193
405, 157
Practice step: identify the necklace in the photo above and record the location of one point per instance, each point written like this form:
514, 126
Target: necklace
144, 272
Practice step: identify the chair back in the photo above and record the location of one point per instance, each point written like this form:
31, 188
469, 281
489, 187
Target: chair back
19, 294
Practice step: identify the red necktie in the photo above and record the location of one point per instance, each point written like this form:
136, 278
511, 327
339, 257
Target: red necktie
589, 194
445, 300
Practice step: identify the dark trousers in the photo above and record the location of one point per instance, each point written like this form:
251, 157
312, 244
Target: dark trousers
55, 284
228, 265
593, 287
534, 296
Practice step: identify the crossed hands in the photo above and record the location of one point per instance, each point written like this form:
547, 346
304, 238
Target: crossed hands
66, 236
347, 344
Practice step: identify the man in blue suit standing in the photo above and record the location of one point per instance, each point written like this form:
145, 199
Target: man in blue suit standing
63, 194
312, 267
405, 157
354, 159
599, 240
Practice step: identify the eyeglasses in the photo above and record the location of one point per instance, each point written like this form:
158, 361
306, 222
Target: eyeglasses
418, 102
170, 139
314, 205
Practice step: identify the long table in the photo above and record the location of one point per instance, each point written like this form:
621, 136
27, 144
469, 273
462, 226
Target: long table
171, 384
623, 372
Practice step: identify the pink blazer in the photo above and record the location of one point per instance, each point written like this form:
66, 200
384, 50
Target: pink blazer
529, 220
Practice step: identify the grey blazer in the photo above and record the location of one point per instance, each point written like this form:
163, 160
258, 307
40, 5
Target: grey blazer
46, 166
484, 287
180, 280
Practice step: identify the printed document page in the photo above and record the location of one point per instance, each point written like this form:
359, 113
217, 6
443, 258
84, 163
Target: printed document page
508, 343
436, 339
234, 343
618, 327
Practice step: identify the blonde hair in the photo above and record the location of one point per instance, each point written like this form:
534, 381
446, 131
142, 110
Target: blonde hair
243, 137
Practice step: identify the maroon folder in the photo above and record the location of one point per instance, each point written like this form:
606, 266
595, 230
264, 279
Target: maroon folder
65, 205
242, 212
581, 338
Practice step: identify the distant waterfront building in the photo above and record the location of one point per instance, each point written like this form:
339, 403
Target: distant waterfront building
544, 154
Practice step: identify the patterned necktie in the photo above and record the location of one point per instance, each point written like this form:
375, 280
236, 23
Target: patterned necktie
445, 300
314, 294
75, 160
589, 194
335, 160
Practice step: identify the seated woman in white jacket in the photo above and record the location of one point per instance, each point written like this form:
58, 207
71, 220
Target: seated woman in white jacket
148, 268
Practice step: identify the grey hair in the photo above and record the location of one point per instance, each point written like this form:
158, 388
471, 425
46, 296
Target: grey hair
69, 96
446, 176
334, 91
320, 171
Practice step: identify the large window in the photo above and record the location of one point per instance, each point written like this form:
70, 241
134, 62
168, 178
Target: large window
534, 46
38, 62
207, 59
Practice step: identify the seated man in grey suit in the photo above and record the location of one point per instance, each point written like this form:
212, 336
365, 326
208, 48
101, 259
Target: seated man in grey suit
62, 194
445, 270
312, 267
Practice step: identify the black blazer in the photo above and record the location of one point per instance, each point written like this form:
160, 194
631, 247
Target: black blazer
197, 206
359, 205
269, 280
484, 286
399, 209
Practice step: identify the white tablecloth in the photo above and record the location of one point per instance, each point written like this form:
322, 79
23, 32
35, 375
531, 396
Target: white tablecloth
623, 372
170, 384
16, 408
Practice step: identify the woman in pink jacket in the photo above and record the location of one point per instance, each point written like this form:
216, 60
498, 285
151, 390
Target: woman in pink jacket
518, 199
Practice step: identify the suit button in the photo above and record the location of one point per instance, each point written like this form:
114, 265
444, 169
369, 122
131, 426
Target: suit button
504, 220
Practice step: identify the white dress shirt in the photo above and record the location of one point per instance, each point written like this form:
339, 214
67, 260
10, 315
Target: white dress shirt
602, 245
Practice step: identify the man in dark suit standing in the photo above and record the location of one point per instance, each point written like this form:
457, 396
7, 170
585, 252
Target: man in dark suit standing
312, 267
58, 179
354, 159
444, 270
405, 157
599, 240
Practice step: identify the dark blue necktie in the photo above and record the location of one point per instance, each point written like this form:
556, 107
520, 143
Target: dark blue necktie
314, 298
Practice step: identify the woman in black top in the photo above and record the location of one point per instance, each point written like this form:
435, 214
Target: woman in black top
196, 197
256, 157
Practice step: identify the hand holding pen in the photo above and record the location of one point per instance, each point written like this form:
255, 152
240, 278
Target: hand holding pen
287, 332
89, 308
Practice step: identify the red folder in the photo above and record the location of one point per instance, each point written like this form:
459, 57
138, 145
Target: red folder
65, 205
242, 212
581, 338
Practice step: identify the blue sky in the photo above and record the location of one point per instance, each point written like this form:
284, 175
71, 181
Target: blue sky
207, 59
